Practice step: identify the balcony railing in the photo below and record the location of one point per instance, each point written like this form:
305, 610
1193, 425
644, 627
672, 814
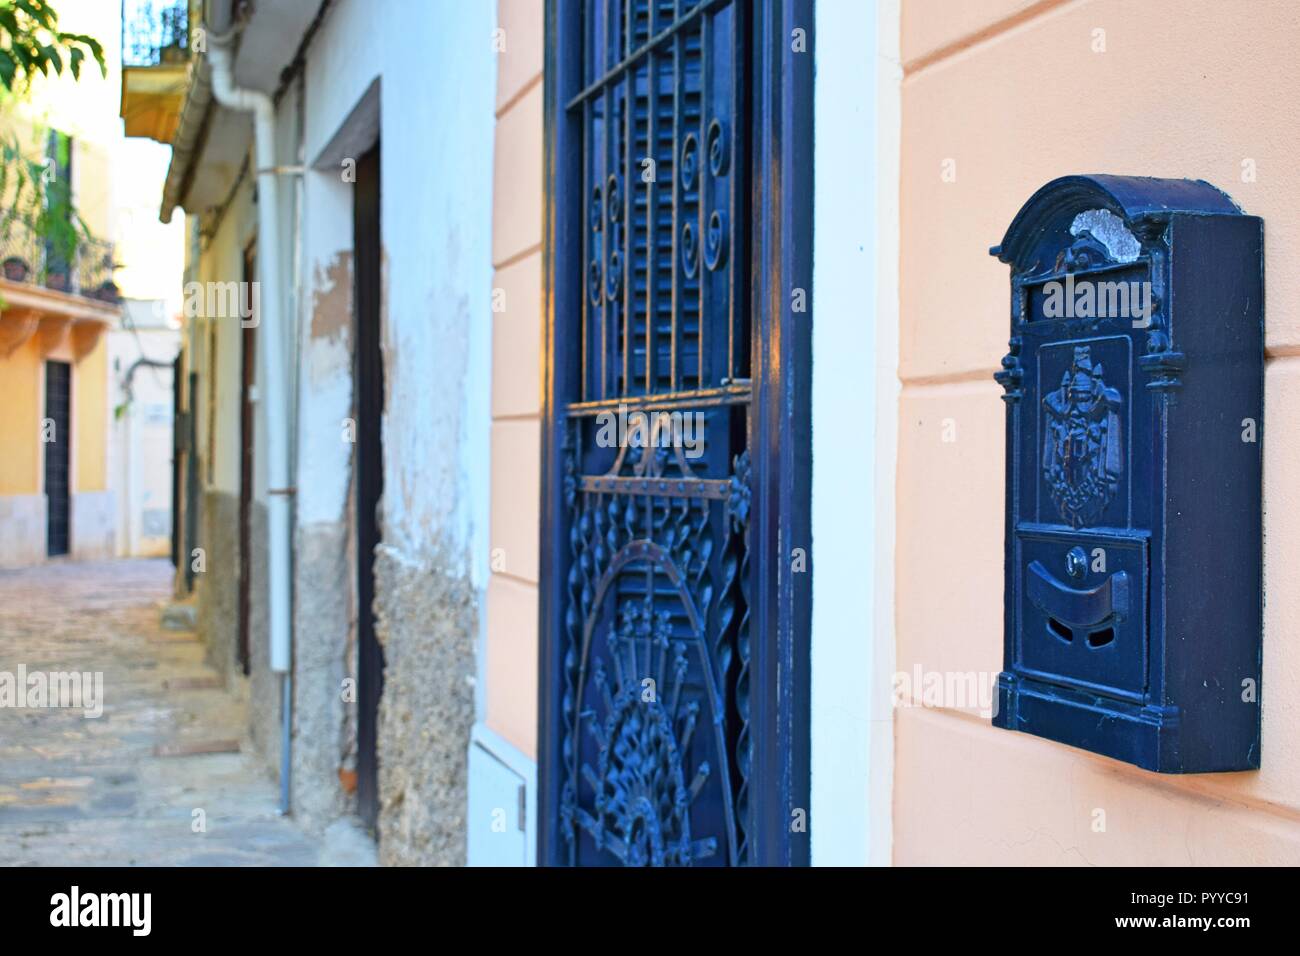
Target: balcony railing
25, 257
155, 32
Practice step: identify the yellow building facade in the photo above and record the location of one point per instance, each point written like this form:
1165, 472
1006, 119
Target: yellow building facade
55, 417
57, 414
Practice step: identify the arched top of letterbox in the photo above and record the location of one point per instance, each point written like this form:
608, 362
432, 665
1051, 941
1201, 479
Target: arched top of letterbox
1054, 206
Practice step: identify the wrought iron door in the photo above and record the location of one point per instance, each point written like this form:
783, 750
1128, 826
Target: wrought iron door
648, 687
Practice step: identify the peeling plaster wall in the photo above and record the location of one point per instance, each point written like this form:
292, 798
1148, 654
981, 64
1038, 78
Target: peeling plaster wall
324, 567
436, 224
436, 221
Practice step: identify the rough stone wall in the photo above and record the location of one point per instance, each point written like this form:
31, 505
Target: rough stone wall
321, 719
218, 585
264, 686
426, 622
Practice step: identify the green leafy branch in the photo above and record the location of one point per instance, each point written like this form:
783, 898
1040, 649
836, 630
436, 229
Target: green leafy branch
31, 42
31, 195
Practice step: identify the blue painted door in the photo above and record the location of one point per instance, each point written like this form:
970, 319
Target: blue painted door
650, 715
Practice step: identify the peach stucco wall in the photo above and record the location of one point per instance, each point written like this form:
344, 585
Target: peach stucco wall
1014, 94
510, 668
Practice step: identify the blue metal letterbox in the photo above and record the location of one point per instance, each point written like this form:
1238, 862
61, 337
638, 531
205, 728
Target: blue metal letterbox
1134, 389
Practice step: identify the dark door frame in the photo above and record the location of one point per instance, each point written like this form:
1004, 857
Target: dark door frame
193, 473
368, 392
178, 445
781, 261
247, 441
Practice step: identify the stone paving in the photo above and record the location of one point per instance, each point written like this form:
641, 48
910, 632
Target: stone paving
124, 789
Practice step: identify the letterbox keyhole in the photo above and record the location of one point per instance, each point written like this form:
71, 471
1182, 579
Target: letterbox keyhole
1076, 562
1060, 630
1101, 638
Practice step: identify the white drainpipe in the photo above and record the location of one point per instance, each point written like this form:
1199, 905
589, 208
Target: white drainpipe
274, 372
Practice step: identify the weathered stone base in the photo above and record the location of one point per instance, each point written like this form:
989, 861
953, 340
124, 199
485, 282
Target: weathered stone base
264, 694
23, 519
93, 525
321, 720
218, 584
426, 621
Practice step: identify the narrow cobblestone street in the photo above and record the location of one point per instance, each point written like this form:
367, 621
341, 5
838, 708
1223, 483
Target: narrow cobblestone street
125, 788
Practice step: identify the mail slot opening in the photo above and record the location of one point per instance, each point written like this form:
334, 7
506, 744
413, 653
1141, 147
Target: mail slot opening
1060, 630
1102, 637
1081, 622
1122, 294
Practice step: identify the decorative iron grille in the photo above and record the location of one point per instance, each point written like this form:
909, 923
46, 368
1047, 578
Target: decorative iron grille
27, 257
155, 32
655, 674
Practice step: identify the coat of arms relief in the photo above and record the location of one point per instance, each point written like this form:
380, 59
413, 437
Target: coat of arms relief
1083, 455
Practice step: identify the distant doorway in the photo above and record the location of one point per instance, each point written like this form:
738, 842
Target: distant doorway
369, 483
58, 444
